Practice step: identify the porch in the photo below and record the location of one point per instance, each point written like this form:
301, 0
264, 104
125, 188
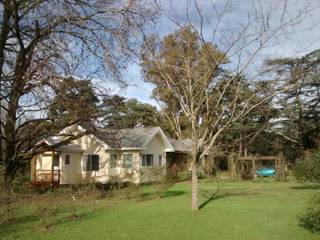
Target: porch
47, 171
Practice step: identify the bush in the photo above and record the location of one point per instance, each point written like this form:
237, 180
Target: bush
184, 176
21, 184
308, 167
311, 220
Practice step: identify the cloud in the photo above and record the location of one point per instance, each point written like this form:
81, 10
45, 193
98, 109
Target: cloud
297, 40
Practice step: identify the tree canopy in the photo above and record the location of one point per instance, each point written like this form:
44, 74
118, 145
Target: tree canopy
119, 112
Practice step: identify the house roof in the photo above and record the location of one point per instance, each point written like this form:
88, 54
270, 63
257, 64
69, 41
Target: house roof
131, 138
181, 145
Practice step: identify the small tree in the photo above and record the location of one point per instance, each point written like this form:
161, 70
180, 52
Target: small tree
200, 80
307, 168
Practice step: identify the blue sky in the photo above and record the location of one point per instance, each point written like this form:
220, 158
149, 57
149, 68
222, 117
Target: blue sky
298, 40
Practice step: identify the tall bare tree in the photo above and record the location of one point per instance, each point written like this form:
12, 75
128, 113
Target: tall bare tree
202, 70
43, 41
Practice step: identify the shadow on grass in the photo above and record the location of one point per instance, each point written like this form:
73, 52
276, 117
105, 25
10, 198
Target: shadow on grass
219, 194
174, 193
307, 186
152, 195
32, 222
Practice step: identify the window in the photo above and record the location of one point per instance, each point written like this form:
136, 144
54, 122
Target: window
147, 160
113, 161
160, 160
127, 160
67, 159
91, 163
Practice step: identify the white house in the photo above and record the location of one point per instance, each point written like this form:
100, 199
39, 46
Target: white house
137, 155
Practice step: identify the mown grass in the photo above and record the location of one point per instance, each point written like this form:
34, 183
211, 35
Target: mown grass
229, 210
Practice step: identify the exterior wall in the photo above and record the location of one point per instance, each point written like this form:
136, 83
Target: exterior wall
122, 174
74, 173
90, 146
70, 174
156, 173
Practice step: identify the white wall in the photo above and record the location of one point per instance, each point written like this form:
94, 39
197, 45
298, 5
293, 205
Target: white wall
73, 173
90, 146
156, 147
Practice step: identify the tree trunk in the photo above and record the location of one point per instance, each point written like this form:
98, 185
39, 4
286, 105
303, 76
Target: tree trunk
7, 182
194, 187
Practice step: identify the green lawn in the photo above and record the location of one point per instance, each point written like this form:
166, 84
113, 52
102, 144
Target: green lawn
236, 210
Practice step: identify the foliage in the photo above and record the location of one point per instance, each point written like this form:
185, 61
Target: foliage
311, 220
183, 176
21, 184
177, 62
297, 108
308, 167
119, 113
75, 100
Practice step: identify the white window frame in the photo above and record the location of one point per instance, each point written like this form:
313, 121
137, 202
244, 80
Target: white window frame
160, 160
111, 160
123, 164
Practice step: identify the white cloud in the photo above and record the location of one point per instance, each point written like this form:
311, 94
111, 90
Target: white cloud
301, 39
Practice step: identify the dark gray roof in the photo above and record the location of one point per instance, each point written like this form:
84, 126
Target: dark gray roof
181, 146
127, 138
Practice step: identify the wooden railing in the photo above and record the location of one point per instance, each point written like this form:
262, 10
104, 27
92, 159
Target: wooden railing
47, 176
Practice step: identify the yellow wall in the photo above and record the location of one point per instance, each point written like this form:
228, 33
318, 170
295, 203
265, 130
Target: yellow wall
90, 146
73, 173
122, 174
155, 173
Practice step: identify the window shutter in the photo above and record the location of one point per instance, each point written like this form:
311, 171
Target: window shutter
95, 162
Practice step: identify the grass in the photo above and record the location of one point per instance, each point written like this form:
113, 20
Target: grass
229, 210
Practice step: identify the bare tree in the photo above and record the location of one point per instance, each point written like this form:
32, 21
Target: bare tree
206, 69
43, 41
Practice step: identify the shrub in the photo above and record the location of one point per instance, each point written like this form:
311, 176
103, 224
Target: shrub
308, 167
311, 220
184, 176
21, 184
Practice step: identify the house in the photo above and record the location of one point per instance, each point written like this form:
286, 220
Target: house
137, 155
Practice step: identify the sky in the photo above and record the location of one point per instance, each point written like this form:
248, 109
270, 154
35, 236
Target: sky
298, 39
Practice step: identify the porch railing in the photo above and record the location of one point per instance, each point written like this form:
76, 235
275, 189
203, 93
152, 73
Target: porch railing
49, 176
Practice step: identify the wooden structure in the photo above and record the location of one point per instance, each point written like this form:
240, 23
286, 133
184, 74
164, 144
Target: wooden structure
46, 177
246, 166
